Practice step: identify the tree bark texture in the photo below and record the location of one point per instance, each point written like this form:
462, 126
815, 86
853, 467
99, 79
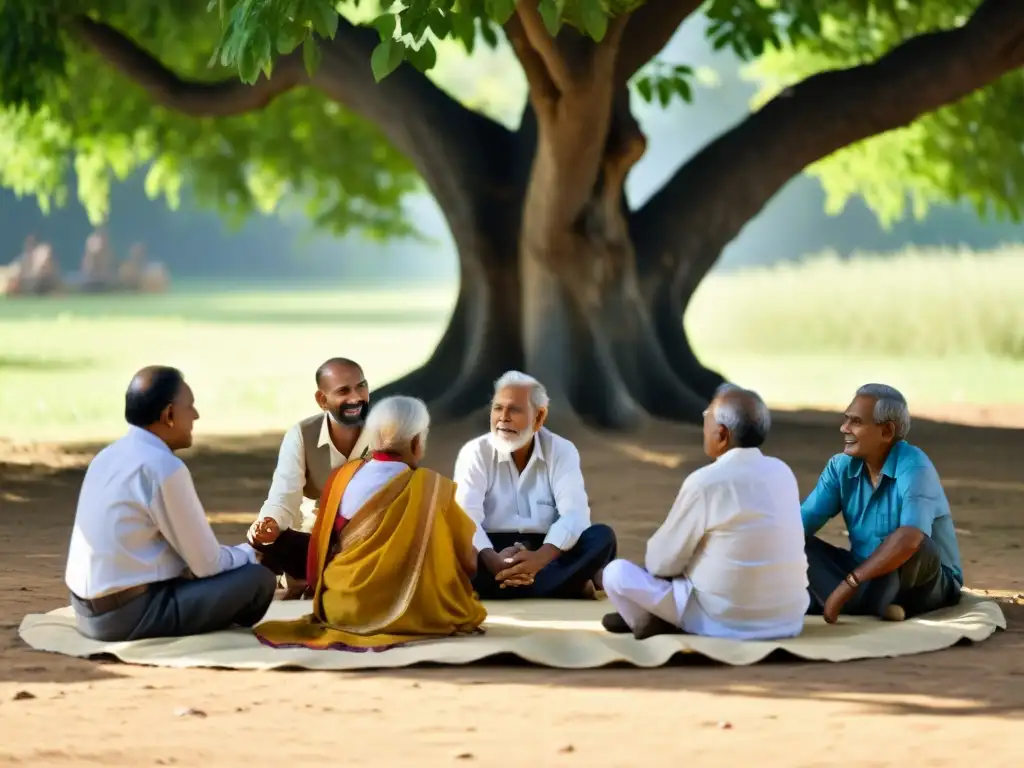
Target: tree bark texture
558, 277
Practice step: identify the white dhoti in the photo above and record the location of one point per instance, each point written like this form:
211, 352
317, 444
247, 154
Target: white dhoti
635, 594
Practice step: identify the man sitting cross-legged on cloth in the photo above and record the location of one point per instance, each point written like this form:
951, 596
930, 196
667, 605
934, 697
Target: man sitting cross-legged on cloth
904, 559
143, 560
729, 559
523, 487
391, 554
310, 451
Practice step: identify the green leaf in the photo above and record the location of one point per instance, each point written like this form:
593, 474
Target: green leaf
500, 11
325, 19
594, 19
440, 24
289, 37
551, 13
488, 34
385, 58
664, 92
311, 55
645, 89
424, 58
385, 24
682, 87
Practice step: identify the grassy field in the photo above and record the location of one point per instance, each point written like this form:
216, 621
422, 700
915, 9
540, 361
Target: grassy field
945, 328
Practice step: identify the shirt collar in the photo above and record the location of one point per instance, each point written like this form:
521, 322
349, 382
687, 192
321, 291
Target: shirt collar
892, 461
145, 436
538, 450
325, 432
738, 454
359, 448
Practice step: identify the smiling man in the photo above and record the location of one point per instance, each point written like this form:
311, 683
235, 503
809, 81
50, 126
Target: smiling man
523, 487
310, 451
904, 559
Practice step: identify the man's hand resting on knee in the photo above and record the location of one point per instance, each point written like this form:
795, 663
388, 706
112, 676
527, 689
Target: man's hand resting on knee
264, 531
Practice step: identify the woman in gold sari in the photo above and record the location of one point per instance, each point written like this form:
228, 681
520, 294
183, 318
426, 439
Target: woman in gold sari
391, 552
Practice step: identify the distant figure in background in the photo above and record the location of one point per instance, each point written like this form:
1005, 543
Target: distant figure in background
143, 560
310, 451
904, 559
154, 279
136, 274
129, 271
729, 559
97, 263
40, 275
12, 274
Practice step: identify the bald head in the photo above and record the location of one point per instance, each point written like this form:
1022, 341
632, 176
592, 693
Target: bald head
744, 414
335, 364
151, 390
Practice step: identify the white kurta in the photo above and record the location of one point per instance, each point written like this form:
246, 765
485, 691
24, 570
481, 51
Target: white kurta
729, 559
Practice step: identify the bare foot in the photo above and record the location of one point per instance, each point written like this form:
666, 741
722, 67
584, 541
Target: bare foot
613, 622
894, 612
651, 625
599, 580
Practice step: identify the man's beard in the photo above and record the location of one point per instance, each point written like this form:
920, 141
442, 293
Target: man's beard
507, 444
338, 415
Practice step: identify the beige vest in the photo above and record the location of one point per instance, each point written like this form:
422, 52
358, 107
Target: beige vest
318, 457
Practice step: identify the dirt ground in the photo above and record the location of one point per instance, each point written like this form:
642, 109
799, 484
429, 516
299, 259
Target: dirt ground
947, 708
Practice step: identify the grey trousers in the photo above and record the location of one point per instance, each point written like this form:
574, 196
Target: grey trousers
181, 607
918, 586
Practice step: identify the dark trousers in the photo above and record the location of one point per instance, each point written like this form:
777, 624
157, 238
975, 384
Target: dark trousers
287, 554
918, 586
181, 607
563, 577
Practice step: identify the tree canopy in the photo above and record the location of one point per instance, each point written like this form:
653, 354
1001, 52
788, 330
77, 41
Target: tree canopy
107, 87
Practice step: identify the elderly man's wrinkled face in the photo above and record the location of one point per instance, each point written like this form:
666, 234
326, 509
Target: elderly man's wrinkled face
513, 420
862, 438
345, 395
716, 437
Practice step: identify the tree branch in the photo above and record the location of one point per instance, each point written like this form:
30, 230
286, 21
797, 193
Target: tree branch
712, 196
191, 97
649, 30
460, 153
544, 44
542, 90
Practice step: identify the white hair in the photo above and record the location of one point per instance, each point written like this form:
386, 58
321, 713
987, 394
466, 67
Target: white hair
538, 394
890, 405
395, 421
746, 417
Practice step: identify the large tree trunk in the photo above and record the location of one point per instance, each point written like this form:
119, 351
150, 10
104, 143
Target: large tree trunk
558, 278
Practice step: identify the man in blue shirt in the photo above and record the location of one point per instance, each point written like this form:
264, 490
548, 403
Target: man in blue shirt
904, 559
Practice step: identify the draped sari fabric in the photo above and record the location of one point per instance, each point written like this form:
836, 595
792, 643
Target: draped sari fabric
401, 572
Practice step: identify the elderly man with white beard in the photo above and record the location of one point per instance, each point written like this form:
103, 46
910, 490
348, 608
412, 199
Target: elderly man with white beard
523, 487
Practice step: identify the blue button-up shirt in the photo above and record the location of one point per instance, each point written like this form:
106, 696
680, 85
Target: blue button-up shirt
909, 493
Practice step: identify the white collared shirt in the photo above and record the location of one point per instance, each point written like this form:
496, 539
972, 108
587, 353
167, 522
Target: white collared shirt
140, 521
736, 535
547, 497
285, 502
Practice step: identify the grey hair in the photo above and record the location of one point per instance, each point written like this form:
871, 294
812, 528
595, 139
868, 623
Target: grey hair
890, 405
745, 415
395, 421
538, 394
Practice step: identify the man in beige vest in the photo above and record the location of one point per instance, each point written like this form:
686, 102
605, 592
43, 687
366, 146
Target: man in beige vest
310, 451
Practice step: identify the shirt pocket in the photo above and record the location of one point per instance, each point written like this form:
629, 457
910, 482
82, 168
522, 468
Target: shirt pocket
886, 519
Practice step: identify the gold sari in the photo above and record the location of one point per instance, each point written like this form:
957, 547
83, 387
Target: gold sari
401, 572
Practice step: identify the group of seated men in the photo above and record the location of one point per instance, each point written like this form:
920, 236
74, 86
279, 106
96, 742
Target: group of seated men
736, 557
